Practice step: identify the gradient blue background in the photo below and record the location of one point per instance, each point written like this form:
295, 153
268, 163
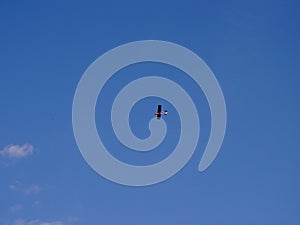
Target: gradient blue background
253, 48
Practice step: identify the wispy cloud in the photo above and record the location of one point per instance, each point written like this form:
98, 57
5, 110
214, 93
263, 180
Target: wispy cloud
17, 151
37, 204
19, 187
15, 208
13, 187
36, 222
33, 189
19, 222
52, 223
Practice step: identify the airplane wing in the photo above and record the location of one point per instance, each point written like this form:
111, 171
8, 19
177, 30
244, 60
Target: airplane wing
159, 108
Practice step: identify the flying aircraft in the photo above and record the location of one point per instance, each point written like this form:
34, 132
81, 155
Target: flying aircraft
158, 113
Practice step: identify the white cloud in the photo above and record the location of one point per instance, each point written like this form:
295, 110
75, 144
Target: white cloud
36, 222
32, 222
19, 222
52, 223
19, 187
37, 204
13, 187
72, 220
17, 151
15, 208
33, 189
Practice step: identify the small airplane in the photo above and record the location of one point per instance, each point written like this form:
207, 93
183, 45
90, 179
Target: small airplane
158, 113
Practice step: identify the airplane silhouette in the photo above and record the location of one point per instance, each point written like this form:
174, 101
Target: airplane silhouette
159, 113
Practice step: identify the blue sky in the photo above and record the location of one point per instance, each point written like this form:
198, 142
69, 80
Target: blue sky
253, 48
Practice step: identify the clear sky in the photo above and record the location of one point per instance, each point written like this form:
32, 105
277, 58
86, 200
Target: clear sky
253, 48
